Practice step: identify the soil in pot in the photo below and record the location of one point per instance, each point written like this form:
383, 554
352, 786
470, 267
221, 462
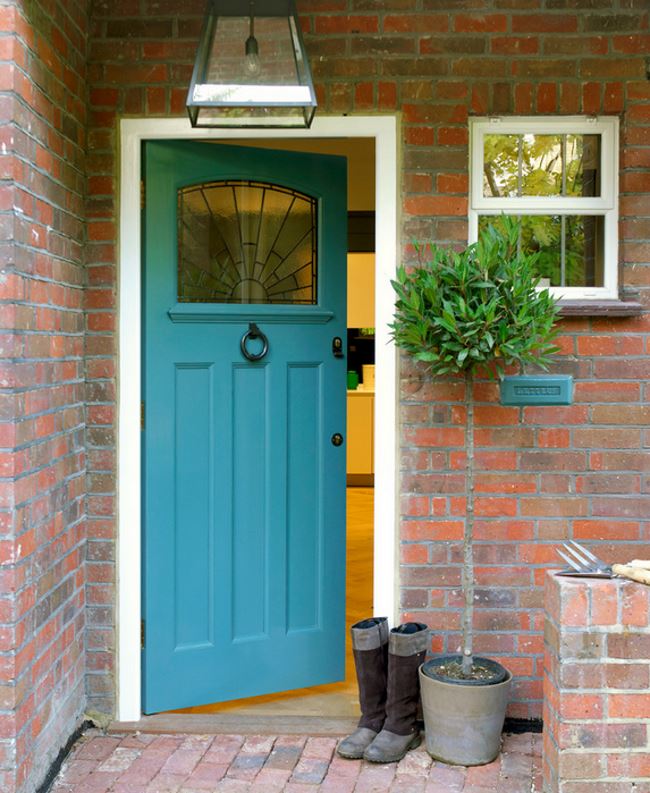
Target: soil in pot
449, 668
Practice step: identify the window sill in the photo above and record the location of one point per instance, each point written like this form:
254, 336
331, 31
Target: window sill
600, 308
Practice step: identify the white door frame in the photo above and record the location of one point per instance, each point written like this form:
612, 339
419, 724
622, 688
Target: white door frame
133, 131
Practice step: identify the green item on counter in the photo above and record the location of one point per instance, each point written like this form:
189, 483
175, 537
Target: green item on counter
353, 380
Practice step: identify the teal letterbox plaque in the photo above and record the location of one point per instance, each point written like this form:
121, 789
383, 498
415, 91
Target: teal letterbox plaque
542, 389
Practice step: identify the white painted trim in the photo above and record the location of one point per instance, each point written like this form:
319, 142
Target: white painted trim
605, 205
132, 132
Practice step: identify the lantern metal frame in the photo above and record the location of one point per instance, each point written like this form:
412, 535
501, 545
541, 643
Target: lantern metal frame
251, 104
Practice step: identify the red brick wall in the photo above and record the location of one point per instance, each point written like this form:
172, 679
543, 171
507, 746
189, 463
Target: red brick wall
547, 474
42, 459
596, 682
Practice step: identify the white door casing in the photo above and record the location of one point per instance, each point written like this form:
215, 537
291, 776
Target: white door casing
132, 132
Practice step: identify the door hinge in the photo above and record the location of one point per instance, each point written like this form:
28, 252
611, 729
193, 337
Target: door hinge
142, 634
141, 415
143, 195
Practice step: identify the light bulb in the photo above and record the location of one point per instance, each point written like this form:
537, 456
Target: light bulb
252, 65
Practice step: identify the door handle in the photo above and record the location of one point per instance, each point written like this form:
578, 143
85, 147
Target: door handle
253, 332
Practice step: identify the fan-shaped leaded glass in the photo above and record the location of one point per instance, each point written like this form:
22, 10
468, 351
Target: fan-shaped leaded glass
246, 242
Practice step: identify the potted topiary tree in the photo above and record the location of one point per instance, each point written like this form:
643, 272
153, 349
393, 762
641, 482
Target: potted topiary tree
459, 313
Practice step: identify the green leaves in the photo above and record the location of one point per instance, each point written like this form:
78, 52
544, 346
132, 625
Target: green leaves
476, 309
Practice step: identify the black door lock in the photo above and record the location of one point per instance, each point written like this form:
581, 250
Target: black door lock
337, 439
337, 347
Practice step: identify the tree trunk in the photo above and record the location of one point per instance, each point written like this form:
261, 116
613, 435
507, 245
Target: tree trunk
468, 550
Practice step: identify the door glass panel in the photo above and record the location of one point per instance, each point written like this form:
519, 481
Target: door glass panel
246, 242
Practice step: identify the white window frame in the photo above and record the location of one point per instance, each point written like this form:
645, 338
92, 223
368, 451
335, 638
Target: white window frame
606, 204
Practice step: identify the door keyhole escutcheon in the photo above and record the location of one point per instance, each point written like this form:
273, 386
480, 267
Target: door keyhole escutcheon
254, 332
337, 439
337, 347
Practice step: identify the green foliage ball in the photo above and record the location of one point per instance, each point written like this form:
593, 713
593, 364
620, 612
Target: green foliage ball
480, 308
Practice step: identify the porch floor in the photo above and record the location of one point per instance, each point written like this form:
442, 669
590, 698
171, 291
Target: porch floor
149, 763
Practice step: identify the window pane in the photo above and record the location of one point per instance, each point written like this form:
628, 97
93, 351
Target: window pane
585, 250
583, 165
246, 242
522, 165
541, 165
570, 247
500, 165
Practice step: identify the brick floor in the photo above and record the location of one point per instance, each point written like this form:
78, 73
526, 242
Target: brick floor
143, 763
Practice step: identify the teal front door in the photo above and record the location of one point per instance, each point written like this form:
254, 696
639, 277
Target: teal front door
244, 405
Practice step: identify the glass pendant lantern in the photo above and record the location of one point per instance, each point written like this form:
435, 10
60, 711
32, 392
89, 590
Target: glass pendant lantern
251, 69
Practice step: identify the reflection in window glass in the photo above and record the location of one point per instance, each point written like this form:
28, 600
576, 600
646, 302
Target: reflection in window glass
501, 165
246, 242
541, 165
569, 247
583, 165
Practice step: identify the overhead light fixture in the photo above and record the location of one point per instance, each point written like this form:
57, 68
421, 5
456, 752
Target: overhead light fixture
251, 69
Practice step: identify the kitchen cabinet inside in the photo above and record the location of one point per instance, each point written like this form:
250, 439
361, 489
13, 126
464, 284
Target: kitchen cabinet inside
360, 446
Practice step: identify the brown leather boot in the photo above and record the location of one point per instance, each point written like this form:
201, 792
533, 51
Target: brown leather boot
407, 647
370, 648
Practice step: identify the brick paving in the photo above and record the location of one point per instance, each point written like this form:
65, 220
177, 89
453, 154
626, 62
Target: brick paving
144, 763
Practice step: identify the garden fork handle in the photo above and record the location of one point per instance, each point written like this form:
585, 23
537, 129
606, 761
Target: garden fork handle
633, 573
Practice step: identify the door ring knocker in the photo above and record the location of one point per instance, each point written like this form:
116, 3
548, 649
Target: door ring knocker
254, 332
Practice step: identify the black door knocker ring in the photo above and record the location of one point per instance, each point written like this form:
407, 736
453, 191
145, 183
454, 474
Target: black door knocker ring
254, 332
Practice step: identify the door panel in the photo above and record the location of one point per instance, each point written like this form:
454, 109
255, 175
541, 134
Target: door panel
305, 557
250, 518
244, 493
194, 505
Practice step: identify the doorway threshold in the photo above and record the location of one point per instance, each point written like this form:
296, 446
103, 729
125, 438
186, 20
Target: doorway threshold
234, 723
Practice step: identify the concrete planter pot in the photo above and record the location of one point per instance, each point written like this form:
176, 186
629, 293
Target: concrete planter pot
463, 723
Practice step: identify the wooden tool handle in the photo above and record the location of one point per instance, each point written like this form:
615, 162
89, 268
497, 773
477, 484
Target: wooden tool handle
643, 563
633, 573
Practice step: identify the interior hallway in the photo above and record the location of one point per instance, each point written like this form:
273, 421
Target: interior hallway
336, 700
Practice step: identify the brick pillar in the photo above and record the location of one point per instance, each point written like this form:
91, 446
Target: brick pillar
596, 686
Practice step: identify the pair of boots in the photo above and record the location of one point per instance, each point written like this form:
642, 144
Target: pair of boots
389, 690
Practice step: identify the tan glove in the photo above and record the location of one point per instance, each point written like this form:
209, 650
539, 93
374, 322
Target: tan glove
644, 563
633, 572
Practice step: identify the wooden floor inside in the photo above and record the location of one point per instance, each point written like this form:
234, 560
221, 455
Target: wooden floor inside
335, 700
